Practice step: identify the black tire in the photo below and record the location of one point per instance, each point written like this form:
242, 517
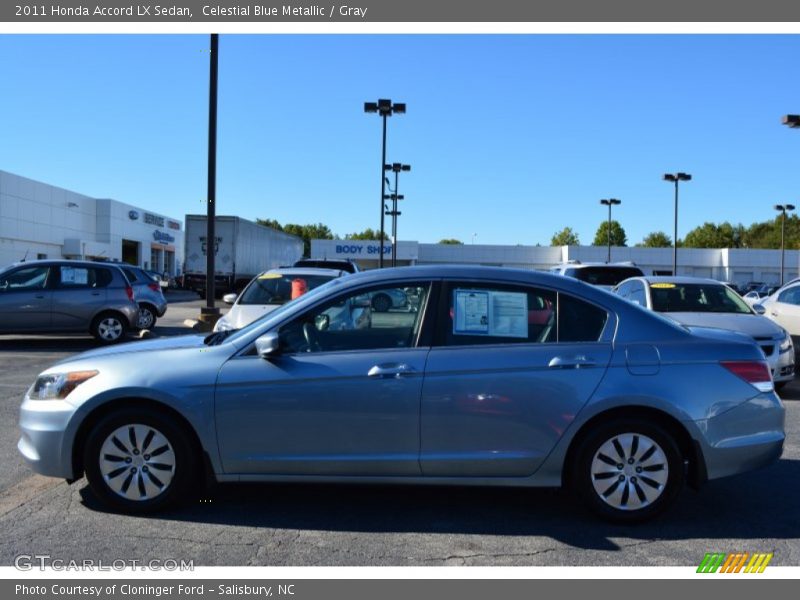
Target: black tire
639, 490
147, 317
779, 385
162, 487
109, 327
381, 303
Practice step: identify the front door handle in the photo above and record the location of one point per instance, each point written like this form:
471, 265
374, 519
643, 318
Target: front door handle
395, 370
774, 313
571, 362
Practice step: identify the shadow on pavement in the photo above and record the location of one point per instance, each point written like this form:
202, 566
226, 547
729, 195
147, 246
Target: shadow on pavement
762, 504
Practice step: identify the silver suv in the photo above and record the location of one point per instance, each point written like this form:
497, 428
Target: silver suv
148, 295
604, 275
64, 296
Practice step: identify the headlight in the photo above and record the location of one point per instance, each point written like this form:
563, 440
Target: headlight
57, 386
222, 325
786, 344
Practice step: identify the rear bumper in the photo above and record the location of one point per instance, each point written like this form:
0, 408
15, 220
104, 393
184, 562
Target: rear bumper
744, 438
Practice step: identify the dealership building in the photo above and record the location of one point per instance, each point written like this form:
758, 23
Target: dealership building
38, 220
724, 264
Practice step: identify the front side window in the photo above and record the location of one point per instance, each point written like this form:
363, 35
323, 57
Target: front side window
26, 278
378, 318
488, 314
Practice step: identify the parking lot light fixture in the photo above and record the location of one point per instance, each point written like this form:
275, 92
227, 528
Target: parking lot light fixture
676, 178
792, 121
610, 202
383, 108
782, 208
396, 168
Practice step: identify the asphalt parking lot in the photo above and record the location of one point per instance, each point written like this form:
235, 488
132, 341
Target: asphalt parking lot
376, 525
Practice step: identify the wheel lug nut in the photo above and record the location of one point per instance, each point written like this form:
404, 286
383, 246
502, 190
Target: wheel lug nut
633, 479
630, 461
622, 477
133, 469
136, 453
128, 459
638, 469
144, 469
620, 466
147, 457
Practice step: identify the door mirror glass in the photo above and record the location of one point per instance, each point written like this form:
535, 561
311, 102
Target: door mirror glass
759, 308
267, 345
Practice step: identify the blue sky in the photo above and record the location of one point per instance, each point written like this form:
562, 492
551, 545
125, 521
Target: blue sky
510, 137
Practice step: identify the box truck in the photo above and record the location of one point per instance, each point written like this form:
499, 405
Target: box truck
242, 250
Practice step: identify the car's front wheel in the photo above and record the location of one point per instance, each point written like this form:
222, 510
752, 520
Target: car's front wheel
139, 460
628, 470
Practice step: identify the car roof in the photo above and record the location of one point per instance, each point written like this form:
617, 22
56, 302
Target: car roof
307, 271
64, 261
678, 280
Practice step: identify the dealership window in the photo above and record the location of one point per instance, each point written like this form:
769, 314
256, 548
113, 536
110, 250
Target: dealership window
156, 259
169, 261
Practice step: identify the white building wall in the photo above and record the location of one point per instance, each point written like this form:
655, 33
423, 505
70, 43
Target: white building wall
37, 219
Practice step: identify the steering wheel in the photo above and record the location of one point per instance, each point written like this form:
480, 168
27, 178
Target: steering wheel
312, 337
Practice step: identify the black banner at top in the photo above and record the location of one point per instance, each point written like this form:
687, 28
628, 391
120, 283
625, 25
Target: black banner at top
374, 11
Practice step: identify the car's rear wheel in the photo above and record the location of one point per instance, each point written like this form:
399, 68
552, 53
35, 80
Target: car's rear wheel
109, 327
381, 303
139, 460
628, 470
147, 317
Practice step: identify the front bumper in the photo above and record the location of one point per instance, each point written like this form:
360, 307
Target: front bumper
744, 438
781, 365
43, 442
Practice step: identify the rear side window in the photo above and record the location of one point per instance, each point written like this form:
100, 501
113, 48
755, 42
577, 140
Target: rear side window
485, 314
73, 277
131, 275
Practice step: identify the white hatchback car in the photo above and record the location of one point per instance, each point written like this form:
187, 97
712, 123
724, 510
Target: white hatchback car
269, 290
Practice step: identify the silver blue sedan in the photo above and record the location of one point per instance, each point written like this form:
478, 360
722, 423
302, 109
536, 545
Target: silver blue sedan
492, 377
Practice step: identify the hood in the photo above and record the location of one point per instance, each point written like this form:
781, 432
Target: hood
243, 314
755, 326
721, 335
168, 343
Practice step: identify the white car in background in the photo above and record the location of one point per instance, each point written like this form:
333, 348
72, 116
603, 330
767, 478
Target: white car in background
783, 307
270, 290
698, 302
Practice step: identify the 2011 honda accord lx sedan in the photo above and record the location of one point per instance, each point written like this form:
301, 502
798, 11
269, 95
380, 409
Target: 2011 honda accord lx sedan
494, 377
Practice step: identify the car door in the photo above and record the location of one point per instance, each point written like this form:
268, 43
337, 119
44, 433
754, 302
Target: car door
79, 293
785, 310
510, 367
341, 396
25, 299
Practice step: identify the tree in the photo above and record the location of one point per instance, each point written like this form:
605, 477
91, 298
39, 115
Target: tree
565, 237
618, 237
656, 239
367, 234
451, 242
711, 235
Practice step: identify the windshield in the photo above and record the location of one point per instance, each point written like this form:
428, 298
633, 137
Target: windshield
696, 297
279, 288
278, 313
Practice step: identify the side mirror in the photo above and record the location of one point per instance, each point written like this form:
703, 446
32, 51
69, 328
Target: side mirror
267, 345
229, 298
759, 308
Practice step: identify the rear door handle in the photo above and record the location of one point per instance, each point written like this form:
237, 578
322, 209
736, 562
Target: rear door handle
571, 362
387, 370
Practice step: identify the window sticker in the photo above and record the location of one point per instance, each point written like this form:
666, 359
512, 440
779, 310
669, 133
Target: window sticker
73, 276
492, 313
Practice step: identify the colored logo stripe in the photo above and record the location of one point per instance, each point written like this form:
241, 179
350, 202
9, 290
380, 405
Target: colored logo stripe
733, 563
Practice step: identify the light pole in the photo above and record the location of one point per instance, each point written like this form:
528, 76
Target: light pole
610, 202
395, 168
676, 177
384, 108
782, 208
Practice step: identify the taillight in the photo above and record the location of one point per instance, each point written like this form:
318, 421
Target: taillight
129, 291
154, 286
755, 372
